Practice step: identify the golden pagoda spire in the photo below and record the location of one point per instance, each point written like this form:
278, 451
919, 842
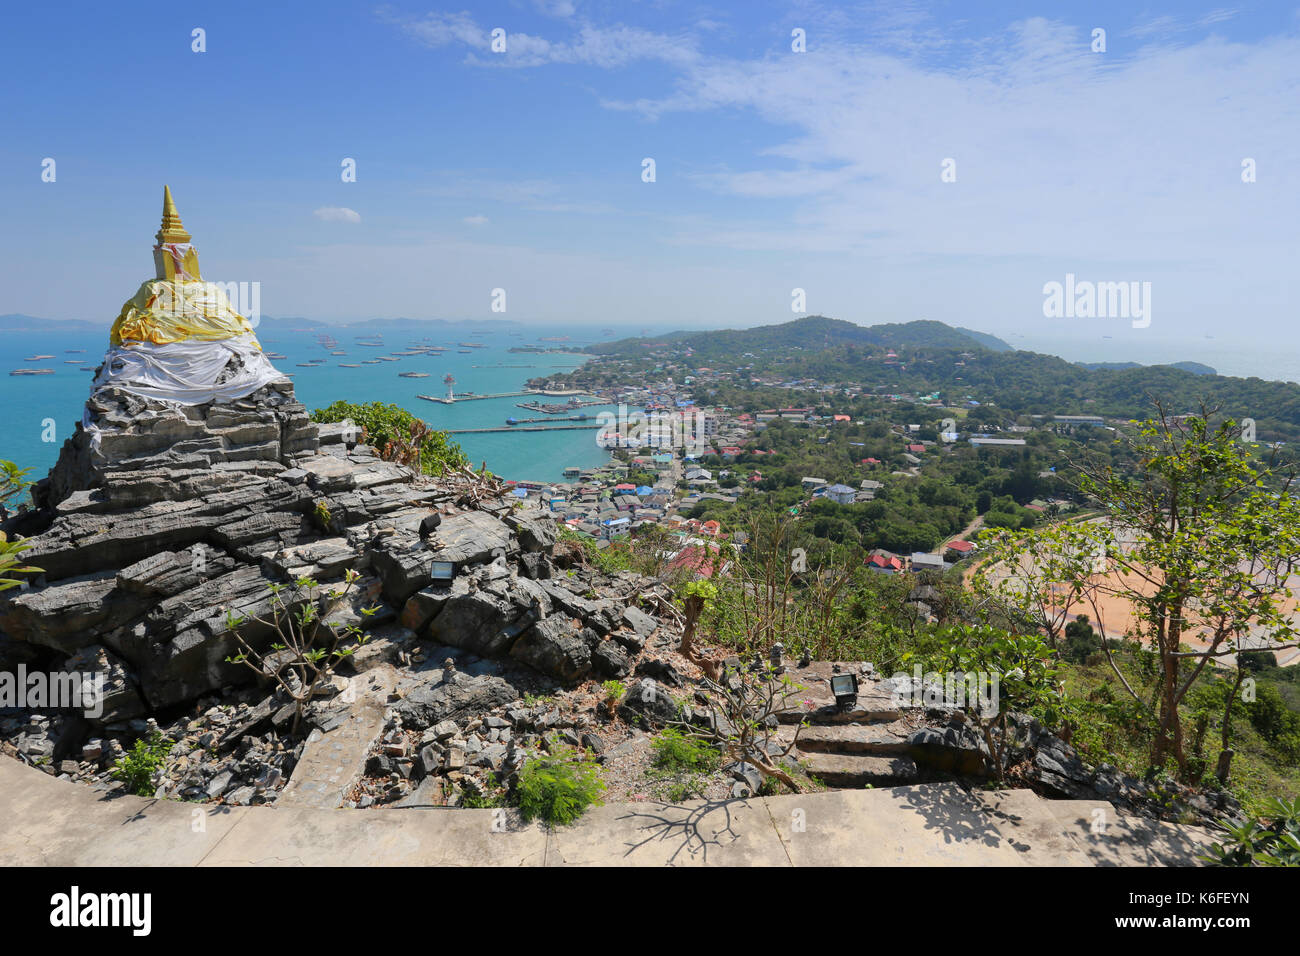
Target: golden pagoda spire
172, 230
173, 256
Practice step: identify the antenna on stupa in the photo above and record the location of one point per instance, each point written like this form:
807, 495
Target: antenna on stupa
173, 256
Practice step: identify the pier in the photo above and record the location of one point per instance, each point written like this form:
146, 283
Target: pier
473, 398
534, 421
513, 430
443, 400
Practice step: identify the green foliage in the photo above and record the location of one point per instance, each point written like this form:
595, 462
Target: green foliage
306, 648
321, 516
136, 767
389, 428
559, 787
12, 481
1273, 841
1081, 641
675, 752
1024, 666
1274, 721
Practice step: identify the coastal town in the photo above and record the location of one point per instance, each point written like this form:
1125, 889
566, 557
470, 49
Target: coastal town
673, 451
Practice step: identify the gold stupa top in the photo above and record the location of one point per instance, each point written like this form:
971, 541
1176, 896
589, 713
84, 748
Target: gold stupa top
177, 305
173, 256
172, 230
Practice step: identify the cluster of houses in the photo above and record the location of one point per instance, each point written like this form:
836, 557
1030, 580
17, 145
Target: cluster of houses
604, 503
886, 562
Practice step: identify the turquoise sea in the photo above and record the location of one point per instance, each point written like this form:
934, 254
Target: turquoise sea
32, 403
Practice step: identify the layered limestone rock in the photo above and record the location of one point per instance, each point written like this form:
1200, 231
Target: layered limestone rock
164, 516
166, 451
147, 561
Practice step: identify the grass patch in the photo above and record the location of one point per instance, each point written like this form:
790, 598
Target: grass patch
675, 752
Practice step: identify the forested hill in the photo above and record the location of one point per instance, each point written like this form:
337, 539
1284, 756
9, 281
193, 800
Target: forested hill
1034, 384
814, 333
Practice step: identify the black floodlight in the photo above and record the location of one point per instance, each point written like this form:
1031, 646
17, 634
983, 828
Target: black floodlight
844, 687
443, 572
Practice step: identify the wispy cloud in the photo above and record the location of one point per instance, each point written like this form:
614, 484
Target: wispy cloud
337, 214
606, 47
534, 195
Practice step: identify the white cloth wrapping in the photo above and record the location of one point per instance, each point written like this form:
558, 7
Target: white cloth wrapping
184, 373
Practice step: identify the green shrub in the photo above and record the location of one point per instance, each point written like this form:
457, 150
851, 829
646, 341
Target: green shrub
1081, 641
676, 752
613, 691
389, 427
558, 788
137, 766
1254, 843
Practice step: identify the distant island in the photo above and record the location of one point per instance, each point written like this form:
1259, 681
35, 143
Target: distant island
1196, 368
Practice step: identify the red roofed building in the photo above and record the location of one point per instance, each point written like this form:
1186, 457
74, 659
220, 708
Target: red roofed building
916, 449
885, 562
959, 549
698, 561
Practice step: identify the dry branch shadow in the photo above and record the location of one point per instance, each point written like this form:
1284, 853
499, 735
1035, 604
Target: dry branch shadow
686, 823
960, 818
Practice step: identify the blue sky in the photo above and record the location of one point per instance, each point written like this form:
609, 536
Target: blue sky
775, 170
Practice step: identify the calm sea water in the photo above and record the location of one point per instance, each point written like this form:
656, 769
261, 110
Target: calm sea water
1273, 360
32, 403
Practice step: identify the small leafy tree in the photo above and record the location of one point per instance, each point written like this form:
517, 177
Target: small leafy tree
613, 691
306, 649
694, 596
1020, 675
1041, 577
741, 710
1210, 543
1199, 543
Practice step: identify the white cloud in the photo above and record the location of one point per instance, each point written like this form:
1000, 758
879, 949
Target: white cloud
605, 47
337, 214
479, 220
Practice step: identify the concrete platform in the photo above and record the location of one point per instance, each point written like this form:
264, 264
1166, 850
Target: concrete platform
55, 822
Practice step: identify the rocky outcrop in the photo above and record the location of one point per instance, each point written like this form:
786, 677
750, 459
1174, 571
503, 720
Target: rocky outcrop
158, 520
156, 451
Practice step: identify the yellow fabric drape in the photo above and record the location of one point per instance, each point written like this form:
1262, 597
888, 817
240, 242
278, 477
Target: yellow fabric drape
163, 311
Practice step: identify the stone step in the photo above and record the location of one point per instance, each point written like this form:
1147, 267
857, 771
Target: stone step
879, 739
867, 708
846, 770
